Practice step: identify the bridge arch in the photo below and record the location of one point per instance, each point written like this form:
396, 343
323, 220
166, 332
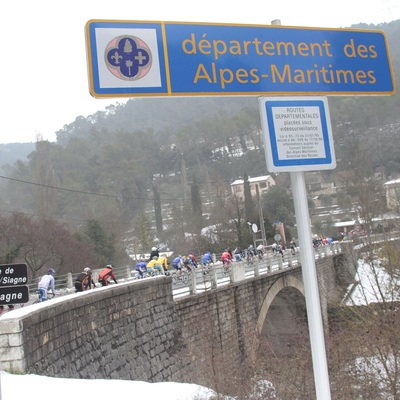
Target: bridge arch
282, 283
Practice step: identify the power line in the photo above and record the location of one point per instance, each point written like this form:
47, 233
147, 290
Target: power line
86, 192
59, 188
165, 200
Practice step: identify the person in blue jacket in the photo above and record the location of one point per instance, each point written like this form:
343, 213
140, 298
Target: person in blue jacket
207, 259
141, 268
177, 263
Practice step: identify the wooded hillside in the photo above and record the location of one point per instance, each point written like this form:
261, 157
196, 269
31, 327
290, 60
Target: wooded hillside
163, 167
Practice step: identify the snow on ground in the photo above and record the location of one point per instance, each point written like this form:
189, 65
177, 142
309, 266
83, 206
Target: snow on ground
372, 283
17, 387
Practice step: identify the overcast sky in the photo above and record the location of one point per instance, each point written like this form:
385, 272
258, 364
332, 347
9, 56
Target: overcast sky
44, 81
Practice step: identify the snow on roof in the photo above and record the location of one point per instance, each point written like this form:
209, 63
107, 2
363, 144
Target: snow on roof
252, 180
393, 182
344, 223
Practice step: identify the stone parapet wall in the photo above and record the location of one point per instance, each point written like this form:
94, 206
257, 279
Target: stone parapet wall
125, 331
137, 331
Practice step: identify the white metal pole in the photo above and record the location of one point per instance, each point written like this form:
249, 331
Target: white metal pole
307, 258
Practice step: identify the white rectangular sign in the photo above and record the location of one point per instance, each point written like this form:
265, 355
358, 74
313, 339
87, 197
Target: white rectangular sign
297, 133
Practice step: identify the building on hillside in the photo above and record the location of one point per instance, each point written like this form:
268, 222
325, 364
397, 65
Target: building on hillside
392, 194
262, 182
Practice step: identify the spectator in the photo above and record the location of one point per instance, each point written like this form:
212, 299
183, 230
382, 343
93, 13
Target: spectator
106, 275
47, 281
84, 281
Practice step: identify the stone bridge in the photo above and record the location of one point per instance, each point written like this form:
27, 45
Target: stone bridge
136, 330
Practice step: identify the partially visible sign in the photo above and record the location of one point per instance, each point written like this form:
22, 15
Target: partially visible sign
14, 295
145, 58
13, 274
297, 134
13, 280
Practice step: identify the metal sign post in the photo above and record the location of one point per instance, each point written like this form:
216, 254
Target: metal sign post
308, 268
298, 138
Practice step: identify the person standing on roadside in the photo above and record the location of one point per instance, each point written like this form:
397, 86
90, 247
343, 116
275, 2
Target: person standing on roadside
47, 281
106, 275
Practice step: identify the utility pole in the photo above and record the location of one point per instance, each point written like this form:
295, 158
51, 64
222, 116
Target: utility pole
261, 217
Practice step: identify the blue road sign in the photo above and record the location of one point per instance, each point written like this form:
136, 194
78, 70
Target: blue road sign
297, 134
133, 58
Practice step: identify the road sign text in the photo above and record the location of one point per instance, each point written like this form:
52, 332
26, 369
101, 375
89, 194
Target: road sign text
166, 58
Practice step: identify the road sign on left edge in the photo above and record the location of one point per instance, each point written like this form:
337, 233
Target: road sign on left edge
13, 274
14, 295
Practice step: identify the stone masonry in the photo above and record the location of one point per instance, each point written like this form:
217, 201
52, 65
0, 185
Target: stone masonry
137, 331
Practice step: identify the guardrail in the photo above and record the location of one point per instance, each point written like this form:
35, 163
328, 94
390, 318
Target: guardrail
204, 278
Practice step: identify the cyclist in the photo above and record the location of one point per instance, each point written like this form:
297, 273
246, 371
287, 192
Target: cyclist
84, 281
141, 268
106, 275
293, 247
162, 263
226, 259
207, 259
154, 253
177, 263
192, 260
260, 251
238, 254
152, 266
250, 254
47, 281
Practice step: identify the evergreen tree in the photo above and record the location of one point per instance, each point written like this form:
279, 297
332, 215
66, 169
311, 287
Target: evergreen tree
143, 233
248, 200
197, 207
103, 244
157, 208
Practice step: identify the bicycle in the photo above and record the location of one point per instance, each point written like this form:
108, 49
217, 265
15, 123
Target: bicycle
226, 268
40, 297
182, 277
